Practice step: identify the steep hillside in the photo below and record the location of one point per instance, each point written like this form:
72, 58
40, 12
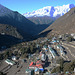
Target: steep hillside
7, 41
9, 36
25, 27
65, 24
9, 30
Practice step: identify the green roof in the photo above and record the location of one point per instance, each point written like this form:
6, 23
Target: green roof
58, 45
45, 46
29, 69
52, 51
10, 61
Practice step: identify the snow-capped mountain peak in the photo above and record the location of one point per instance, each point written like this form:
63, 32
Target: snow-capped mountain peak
50, 11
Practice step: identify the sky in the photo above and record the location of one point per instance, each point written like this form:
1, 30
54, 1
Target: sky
23, 6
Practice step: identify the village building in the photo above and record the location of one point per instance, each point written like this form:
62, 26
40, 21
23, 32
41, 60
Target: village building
47, 73
32, 65
29, 72
14, 58
43, 57
41, 68
37, 46
10, 62
59, 47
45, 48
52, 52
53, 41
49, 56
36, 71
39, 64
62, 52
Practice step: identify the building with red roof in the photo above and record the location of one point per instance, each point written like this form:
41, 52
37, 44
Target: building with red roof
39, 64
31, 63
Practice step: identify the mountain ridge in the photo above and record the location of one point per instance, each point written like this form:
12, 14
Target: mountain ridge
15, 19
26, 28
63, 25
50, 11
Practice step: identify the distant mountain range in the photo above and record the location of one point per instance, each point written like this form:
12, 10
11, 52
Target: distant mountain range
63, 25
14, 26
50, 11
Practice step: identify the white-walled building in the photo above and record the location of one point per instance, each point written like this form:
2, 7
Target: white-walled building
10, 62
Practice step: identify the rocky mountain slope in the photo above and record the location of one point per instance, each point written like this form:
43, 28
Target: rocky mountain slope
65, 24
9, 30
24, 27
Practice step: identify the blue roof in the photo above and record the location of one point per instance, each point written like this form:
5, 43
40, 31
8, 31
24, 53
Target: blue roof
42, 69
36, 69
61, 51
54, 41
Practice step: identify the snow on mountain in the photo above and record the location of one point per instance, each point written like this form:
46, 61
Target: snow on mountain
50, 11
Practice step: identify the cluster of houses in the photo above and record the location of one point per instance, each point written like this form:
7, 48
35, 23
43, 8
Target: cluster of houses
51, 48
57, 46
54, 49
38, 66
